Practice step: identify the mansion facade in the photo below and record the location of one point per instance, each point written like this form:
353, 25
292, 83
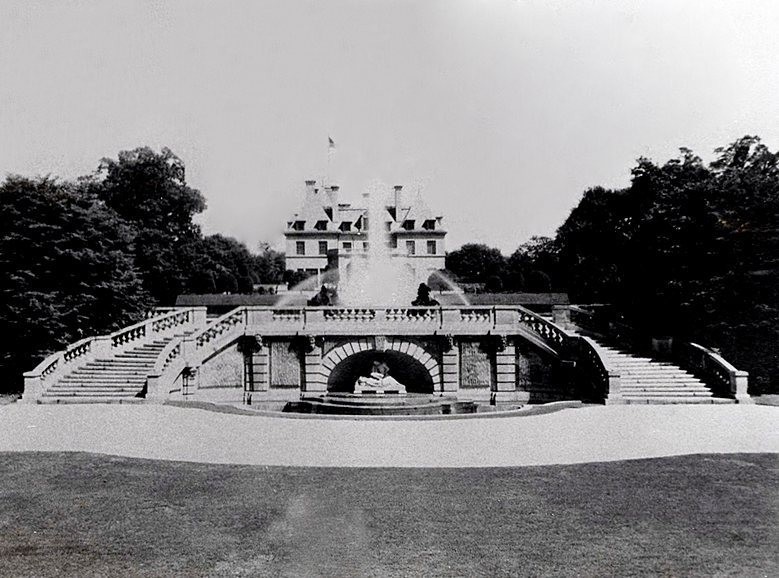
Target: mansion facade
328, 234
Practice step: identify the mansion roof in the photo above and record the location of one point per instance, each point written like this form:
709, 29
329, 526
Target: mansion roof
322, 211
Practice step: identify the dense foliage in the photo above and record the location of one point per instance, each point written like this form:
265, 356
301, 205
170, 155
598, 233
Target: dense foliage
85, 258
689, 249
66, 272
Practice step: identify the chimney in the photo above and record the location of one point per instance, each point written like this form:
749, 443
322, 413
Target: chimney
310, 193
334, 200
398, 189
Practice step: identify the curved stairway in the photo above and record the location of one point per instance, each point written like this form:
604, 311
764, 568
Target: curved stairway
118, 379
645, 380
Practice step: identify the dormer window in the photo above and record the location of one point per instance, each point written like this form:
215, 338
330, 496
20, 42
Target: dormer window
346, 226
321, 226
409, 224
429, 224
299, 225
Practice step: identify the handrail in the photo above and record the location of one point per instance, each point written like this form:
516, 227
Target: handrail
603, 378
718, 374
55, 357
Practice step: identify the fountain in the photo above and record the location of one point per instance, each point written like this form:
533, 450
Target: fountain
375, 279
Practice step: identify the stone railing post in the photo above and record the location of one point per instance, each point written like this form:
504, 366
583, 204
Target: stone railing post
739, 380
561, 316
188, 347
33, 388
614, 389
199, 316
101, 347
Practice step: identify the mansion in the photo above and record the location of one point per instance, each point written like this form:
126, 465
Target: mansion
328, 234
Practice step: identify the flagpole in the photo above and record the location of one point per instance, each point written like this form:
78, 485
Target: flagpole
330, 150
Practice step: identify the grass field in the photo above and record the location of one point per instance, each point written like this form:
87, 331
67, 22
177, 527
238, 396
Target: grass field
90, 515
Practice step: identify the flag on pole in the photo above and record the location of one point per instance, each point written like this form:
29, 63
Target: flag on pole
330, 143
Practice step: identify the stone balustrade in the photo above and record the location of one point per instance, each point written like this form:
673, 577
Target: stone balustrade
58, 364
599, 381
723, 379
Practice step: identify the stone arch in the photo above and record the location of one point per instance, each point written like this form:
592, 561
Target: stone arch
397, 348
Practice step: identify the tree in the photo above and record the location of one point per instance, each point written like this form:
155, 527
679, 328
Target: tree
269, 265
149, 191
66, 272
538, 254
689, 250
475, 263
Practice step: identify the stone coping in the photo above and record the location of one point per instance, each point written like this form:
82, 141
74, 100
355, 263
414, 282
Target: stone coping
528, 410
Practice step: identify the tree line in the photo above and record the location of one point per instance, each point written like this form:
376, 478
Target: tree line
688, 249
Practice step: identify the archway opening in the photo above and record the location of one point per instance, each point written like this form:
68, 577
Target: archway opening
407, 370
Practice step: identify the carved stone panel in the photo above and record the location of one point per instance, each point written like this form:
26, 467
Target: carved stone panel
476, 367
285, 364
225, 369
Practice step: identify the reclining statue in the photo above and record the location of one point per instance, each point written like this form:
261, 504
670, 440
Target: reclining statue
379, 379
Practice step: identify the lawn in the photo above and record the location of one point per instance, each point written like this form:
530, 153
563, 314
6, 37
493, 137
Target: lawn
89, 515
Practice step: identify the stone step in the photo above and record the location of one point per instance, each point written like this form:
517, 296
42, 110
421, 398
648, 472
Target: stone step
91, 391
111, 371
93, 399
666, 384
675, 400
640, 392
113, 379
670, 393
669, 378
639, 362
90, 377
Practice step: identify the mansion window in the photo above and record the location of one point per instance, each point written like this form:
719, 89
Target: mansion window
411, 248
387, 226
365, 245
323, 247
347, 247
300, 247
431, 248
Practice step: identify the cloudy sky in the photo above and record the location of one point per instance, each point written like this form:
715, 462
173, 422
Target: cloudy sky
502, 112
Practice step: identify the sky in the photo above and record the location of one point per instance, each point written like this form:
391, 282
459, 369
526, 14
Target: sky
500, 112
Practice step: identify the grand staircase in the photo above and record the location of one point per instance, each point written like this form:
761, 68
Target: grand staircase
645, 380
118, 379
113, 368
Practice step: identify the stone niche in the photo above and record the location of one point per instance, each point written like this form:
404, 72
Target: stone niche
286, 365
477, 367
225, 369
